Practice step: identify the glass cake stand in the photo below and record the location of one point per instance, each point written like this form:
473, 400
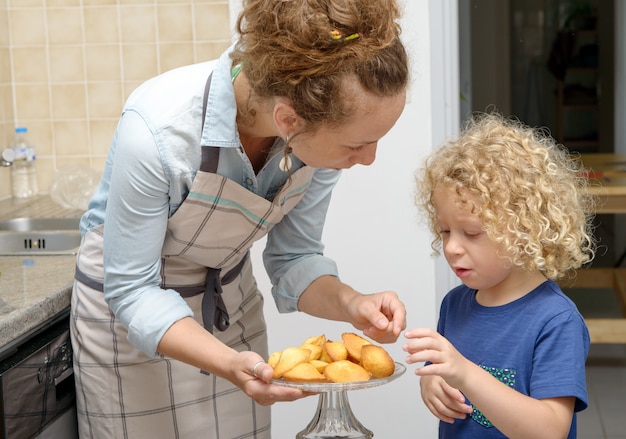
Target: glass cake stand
334, 418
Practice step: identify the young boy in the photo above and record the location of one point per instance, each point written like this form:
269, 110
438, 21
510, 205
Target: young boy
508, 208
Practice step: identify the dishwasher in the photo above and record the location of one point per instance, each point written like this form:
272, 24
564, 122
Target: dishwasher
37, 396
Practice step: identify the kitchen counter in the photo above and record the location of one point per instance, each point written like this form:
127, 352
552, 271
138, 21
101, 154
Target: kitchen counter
34, 290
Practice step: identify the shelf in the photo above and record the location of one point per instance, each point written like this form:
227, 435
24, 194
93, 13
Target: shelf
578, 95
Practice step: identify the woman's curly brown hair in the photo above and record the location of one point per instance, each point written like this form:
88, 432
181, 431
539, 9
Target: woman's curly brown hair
532, 193
285, 49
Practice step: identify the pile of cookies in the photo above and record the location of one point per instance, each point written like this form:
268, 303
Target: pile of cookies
320, 360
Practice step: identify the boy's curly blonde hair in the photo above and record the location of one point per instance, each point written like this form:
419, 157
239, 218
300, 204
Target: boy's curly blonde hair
532, 193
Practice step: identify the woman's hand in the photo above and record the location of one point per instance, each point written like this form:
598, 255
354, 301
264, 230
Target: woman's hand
254, 377
381, 316
186, 340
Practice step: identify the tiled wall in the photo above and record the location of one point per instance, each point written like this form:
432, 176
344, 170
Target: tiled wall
6, 96
67, 66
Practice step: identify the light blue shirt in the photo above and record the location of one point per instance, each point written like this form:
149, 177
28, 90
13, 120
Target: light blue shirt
153, 158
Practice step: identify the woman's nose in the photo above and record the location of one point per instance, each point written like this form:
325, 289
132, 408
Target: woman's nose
366, 156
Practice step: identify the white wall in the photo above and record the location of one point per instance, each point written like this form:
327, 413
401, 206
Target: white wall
372, 231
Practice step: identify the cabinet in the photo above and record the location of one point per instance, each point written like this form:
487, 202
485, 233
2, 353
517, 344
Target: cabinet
578, 92
37, 395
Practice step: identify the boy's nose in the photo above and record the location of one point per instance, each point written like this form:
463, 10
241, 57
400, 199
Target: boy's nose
453, 246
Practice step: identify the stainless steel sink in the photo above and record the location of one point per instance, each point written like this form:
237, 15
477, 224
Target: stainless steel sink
31, 224
39, 236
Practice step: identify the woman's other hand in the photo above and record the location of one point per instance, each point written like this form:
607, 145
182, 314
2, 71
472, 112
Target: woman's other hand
254, 376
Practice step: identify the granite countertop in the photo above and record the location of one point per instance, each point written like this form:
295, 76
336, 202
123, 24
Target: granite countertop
33, 289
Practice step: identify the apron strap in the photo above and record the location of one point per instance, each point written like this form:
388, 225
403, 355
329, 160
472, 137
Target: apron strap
210, 154
214, 312
84, 279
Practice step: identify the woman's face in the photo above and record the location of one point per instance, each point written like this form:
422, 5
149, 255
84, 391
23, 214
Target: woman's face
355, 142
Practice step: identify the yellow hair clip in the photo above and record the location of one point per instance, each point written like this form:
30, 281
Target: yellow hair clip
337, 37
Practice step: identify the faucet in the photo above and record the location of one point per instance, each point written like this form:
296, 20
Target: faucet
8, 156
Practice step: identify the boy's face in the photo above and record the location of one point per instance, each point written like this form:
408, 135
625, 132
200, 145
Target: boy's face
471, 254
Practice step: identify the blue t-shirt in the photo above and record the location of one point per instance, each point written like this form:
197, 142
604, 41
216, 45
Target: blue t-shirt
537, 344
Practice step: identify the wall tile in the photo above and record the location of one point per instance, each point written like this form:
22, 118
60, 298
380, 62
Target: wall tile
210, 50
46, 169
27, 3
103, 63
4, 25
5, 65
5, 182
130, 86
67, 161
212, 22
175, 23
29, 64
101, 133
64, 26
40, 135
70, 85
67, 64
32, 101
135, 2
138, 24
97, 163
27, 26
105, 100
101, 25
6, 96
60, 3
6, 128
71, 138
140, 61
6, 105
174, 55
102, 2
68, 101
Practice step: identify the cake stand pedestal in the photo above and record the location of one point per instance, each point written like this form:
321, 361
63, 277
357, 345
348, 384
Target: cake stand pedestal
334, 418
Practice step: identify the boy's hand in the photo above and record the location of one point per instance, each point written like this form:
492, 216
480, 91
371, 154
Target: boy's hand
443, 401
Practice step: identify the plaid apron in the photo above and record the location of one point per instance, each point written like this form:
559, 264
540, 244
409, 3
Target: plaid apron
122, 392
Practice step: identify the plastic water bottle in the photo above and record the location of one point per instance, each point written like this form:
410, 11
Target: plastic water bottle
23, 174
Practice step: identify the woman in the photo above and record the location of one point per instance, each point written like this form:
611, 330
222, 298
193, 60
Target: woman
206, 160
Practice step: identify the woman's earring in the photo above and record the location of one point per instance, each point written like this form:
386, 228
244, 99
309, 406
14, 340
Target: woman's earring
285, 162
